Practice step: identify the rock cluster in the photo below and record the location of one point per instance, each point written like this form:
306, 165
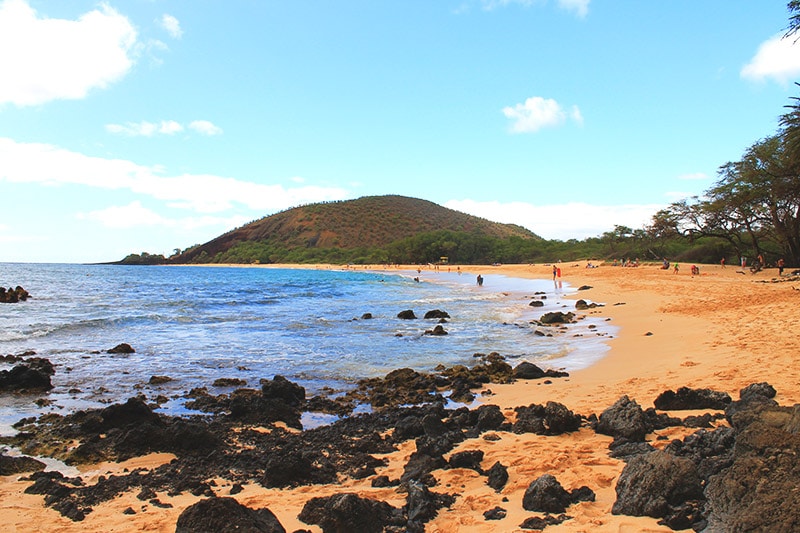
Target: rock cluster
17, 294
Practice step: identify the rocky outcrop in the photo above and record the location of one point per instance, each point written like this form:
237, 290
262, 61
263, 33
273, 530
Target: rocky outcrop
31, 375
659, 485
17, 294
557, 317
123, 348
17, 465
349, 512
546, 495
551, 419
526, 370
687, 399
226, 514
624, 419
758, 492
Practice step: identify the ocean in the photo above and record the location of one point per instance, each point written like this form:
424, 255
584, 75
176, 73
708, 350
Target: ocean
197, 324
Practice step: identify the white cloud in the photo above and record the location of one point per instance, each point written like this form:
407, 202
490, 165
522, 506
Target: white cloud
205, 127
164, 127
172, 25
537, 113
777, 59
135, 215
579, 7
51, 165
48, 59
574, 220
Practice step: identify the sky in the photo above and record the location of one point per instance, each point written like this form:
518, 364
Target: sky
154, 125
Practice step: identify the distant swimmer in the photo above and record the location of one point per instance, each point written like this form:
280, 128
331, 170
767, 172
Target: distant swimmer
480, 280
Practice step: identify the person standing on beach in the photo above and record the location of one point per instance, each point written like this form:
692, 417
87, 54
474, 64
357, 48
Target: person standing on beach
554, 272
781, 265
675, 269
722, 262
480, 280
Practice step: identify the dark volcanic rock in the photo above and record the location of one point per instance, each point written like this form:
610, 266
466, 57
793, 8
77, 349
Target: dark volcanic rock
226, 515
123, 348
623, 419
759, 490
438, 330
348, 512
17, 294
688, 399
280, 388
710, 451
546, 495
752, 397
408, 314
526, 370
423, 505
30, 375
656, 484
551, 419
17, 465
498, 476
467, 459
437, 313
557, 317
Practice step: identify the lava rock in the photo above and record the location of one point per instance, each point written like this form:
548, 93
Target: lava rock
623, 419
655, 484
225, 515
691, 399
347, 512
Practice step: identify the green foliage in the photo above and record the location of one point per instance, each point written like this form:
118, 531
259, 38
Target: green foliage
143, 259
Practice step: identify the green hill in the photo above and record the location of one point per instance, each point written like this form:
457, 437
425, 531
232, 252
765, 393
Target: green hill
371, 229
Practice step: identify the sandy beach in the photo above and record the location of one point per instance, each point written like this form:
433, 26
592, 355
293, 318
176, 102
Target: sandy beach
723, 329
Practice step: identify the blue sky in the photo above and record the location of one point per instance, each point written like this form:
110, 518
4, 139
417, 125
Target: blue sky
151, 125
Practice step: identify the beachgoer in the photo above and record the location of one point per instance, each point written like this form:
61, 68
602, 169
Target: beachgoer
722, 262
761, 260
695, 270
558, 272
555, 271
744, 261
781, 265
665, 264
675, 269
480, 280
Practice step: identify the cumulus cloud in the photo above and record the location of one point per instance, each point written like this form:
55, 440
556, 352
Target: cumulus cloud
172, 25
205, 127
135, 215
777, 59
47, 59
573, 220
164, 127
50, 165
537, 113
